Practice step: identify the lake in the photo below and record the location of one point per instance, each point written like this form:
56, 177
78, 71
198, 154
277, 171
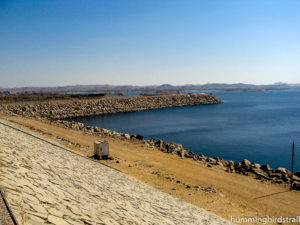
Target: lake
258, 126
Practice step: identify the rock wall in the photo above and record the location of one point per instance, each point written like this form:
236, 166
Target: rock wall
78, 108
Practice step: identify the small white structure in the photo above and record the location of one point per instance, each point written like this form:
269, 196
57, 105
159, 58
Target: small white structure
101, 149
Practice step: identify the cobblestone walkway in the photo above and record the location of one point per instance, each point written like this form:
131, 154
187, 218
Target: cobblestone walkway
45, 184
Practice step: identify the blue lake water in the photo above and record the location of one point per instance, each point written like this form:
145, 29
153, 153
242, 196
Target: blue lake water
258, 126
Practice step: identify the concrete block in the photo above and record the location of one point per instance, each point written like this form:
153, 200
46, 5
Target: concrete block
101, 149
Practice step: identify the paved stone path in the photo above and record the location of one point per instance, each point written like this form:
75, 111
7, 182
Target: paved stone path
45, 184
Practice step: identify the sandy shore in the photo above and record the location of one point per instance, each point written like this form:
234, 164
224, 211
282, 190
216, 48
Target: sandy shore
236, 195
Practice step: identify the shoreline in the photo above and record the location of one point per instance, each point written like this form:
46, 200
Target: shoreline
59, 114
245, 167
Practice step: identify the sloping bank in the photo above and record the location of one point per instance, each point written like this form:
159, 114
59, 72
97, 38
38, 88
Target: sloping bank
55, 112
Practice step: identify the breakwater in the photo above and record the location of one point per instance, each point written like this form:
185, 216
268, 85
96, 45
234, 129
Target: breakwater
91, 107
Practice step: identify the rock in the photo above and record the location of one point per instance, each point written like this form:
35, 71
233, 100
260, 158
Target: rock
195, 157
219, 164
261, 173
296, 185
244, 172
132, 136
266, 168
211, 161
296, 178
181, 152
285, 178
281, 170
139, 137
216, 158
159, 144
127, 136
297, 173
230, 169
246, 164
278, 181
189, 154
228, 163
255, 166
197, 188
275, 175
210, 190
238, 167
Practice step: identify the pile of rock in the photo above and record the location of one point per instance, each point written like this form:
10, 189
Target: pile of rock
81, 108
265, 172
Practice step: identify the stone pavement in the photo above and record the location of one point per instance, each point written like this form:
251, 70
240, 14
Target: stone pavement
45, 184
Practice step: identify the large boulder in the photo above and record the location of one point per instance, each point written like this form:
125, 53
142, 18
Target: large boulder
238, 167
275, 175
296, 178
296, 185
189, 154
159, 144
262, 174
211, 161
281, 170
139, 137
181, 152
285, 178
266, 168
246, 164
126, 136
255, 166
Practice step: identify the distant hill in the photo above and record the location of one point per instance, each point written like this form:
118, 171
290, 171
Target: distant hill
106, 88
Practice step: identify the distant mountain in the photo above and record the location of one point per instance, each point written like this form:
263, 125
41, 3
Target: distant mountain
106, 88
280, 83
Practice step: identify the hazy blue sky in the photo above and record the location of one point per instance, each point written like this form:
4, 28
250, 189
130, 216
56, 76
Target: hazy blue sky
66, 42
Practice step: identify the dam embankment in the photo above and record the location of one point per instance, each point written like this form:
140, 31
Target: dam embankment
92, 107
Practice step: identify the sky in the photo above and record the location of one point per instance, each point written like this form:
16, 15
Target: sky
148, 42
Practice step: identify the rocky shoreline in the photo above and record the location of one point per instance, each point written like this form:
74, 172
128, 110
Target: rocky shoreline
247, 168
55, 113
92, 107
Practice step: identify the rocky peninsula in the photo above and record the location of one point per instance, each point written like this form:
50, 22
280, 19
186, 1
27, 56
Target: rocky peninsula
92, 107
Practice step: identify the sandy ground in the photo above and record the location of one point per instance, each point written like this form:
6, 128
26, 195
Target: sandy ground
236, 195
